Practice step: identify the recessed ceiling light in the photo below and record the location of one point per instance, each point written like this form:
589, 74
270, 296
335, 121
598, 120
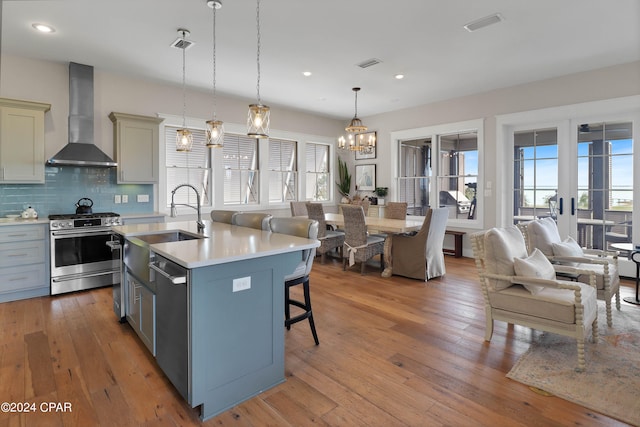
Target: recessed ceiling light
44, 28
306, 73
484, 22
399, 76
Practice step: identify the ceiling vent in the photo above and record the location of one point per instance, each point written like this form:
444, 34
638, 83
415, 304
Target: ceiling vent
369, 63
484, 22
182, 42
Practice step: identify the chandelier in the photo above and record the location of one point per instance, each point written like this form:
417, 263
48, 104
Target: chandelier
184, 137
215, 128
357, 139
258, 116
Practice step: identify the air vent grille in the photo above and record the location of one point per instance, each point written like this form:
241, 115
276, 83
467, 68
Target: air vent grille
369, 63
182, 44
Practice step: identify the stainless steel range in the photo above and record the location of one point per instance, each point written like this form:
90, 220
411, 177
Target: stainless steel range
80, 257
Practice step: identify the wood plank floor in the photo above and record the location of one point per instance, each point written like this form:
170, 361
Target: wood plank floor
393, 352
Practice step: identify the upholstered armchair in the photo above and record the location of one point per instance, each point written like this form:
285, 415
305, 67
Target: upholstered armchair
358, 245
522, 289
543, 234
420, 256
329, 239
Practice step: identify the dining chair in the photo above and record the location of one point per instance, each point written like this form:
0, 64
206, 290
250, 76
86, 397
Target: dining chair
329, 239
419, 255
396, 210
543, 234
365, 203
358, 246
222, 216
258, 220
307, 228
298, 208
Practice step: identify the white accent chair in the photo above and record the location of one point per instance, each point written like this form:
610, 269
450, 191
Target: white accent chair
521, 289
543, 234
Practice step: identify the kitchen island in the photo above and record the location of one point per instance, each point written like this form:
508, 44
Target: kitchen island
217, 307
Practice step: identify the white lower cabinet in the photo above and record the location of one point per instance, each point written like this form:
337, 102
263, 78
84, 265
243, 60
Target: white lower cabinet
24, 262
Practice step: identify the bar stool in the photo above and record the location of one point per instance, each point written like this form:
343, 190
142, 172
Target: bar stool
307, 228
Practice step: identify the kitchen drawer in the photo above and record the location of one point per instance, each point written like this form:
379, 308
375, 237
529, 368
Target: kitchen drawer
23, 277
20, 233
22, 253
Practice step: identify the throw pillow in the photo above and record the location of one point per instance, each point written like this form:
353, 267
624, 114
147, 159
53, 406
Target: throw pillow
568, 247
535, 265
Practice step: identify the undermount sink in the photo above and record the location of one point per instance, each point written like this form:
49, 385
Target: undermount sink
166, 237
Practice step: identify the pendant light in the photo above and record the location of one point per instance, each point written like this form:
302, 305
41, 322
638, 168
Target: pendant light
215, 128
184, 138
357, 139
258, 116
355, 125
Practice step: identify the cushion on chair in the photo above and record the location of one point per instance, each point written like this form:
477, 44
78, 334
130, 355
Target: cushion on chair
614, 279
554, 305
535, 265
568, 247
501, 246
543, 233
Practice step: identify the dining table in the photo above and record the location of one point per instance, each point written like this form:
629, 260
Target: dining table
384, 225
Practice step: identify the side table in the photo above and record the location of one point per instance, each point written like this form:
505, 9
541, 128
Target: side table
634, 255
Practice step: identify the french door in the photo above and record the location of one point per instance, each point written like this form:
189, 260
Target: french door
581, 174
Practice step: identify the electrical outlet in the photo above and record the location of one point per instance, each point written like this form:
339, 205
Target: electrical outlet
143, 198
125, 198
241, 284
117, 199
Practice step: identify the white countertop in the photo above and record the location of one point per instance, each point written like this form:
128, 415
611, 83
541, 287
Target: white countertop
20, 221
223, 243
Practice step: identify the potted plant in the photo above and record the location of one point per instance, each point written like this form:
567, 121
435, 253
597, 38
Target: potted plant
344, 183
381, 192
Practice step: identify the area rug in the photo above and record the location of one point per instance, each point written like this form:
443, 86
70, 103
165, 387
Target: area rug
610, 383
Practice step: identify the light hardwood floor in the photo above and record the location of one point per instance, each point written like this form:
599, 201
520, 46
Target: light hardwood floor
393, 352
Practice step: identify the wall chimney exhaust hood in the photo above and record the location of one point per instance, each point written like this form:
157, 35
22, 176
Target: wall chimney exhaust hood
81, 150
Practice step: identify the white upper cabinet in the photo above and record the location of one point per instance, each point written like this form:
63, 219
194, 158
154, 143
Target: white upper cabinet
136, 139
22, 141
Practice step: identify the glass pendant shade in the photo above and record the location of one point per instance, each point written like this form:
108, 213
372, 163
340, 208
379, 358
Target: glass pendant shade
184, 140
258, 121
215, 133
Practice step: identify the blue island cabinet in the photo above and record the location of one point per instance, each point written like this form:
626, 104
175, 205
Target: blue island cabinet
235, 331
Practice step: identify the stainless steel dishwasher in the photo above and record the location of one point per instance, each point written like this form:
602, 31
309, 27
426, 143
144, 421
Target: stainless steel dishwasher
172, 323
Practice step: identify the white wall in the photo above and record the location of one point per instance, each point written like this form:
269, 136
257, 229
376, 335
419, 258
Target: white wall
45, 81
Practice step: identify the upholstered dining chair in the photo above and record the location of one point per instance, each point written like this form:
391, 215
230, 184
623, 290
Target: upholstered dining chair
329, 239
222, 216
298, 208
365, 203
396, 210
522, 289
301, 227
543, 234
257, 220
420, 256
358, 246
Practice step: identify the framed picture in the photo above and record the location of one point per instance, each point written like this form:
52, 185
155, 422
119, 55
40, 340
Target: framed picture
365, 177
368, 137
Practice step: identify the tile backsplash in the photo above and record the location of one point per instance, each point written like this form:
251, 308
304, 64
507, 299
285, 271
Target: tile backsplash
65, 185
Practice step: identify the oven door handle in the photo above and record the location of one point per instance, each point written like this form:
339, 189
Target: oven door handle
75, 277
80, 233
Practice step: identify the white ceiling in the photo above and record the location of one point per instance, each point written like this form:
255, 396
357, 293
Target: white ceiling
423, 39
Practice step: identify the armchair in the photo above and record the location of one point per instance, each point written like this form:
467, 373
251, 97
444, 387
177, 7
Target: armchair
543, 234
523, 290
420, 256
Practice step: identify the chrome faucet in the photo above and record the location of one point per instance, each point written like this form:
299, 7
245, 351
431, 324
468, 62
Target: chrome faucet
174, 211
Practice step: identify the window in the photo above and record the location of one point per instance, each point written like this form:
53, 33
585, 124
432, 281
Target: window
241, 178
317, 172
415, 175
458, 174
283, 171
192, 167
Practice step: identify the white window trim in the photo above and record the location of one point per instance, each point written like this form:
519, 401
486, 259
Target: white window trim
432, 132
263, 153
